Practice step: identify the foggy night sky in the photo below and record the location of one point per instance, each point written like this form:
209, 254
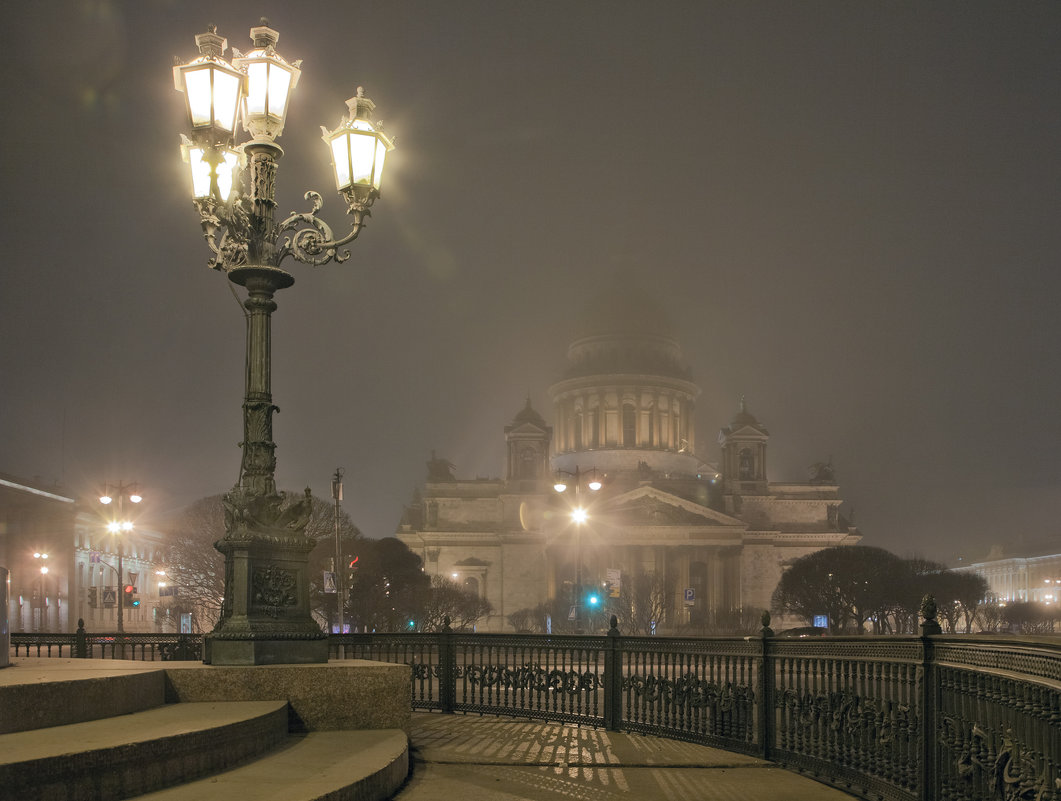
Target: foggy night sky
850, 212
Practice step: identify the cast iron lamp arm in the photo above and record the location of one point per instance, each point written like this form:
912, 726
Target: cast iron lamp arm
315, 243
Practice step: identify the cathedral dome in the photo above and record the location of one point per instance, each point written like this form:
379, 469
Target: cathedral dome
626, 398
623, 353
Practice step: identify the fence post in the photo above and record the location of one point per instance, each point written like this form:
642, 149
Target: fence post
929, 699
613, 679
766, 688
447, 674
80, 641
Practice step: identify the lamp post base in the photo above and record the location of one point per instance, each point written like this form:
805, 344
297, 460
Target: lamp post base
265, 617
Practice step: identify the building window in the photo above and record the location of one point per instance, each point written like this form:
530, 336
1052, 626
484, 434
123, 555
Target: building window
747, 464
578, 431
629, 426
471, 584
528, 464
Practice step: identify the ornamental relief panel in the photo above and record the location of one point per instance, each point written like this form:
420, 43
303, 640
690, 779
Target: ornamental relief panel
273, 589
984, 764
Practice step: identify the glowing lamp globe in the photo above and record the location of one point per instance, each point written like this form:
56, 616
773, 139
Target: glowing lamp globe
359, 149
212, 90
270, 81
214, 171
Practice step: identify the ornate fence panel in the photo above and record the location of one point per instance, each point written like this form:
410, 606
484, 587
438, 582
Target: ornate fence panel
143, 647
704, 690
998, 720
554, 678
850, 712
46, 645
422, 652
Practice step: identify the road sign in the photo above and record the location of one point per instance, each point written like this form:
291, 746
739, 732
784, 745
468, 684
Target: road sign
690, 596
614, 577
821, 621
329, 581
110, 596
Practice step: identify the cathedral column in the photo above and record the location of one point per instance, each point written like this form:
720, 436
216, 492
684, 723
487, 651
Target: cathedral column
717, 583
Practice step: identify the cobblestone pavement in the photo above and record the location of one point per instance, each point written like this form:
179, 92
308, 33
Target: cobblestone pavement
466, 758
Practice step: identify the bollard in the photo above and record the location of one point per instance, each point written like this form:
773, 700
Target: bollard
81, 641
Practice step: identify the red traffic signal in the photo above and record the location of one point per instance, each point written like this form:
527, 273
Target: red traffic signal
129, 589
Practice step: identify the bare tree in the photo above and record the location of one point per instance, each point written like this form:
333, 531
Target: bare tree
642, 603
446, 598
197, 569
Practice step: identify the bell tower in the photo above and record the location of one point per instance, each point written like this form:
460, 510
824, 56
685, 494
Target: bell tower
527, 441
744, 455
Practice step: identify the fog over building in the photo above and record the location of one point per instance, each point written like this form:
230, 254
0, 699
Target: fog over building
706, 520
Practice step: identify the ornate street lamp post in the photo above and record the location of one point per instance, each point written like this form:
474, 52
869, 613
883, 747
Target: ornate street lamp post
265, 615
42, 608
337, 496
117, 526
578, 516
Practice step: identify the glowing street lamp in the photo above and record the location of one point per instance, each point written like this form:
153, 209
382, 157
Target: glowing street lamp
42, 624
265, 616
579, 515
117, 526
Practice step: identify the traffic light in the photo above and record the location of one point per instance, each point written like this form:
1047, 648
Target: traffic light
93, 597
127, 595
593, 599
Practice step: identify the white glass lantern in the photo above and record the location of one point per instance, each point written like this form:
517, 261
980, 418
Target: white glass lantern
270, 81
359, 148
212, 89
214, 170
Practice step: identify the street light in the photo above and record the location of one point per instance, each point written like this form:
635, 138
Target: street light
337, 496
265, 616
579, 516
117, 526
42, 621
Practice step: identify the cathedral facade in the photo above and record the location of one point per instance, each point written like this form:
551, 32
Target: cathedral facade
681, 543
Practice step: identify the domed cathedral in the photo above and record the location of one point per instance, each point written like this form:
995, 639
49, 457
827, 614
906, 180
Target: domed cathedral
644, 525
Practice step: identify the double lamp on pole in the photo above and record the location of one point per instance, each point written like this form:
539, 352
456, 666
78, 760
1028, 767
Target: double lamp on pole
579, 515
118, 525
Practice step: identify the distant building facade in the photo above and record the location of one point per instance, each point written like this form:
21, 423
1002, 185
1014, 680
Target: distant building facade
1036, 579
82, 580
714, 539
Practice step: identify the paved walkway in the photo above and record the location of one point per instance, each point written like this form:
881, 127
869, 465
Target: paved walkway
470, 758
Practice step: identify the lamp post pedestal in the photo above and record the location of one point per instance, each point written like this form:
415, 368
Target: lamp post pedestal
265, 618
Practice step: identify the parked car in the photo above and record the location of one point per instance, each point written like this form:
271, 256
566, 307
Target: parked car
803, 632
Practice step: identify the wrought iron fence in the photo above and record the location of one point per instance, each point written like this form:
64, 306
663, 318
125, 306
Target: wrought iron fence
886, 718
954, 718
109, 645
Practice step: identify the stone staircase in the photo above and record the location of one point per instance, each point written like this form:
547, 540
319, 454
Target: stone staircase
107, 733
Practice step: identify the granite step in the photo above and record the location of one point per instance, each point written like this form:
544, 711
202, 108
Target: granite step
126, 755
317, 766
45, 696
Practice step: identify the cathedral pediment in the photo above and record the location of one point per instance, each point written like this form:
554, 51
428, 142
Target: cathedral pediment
648, 506
526, 428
